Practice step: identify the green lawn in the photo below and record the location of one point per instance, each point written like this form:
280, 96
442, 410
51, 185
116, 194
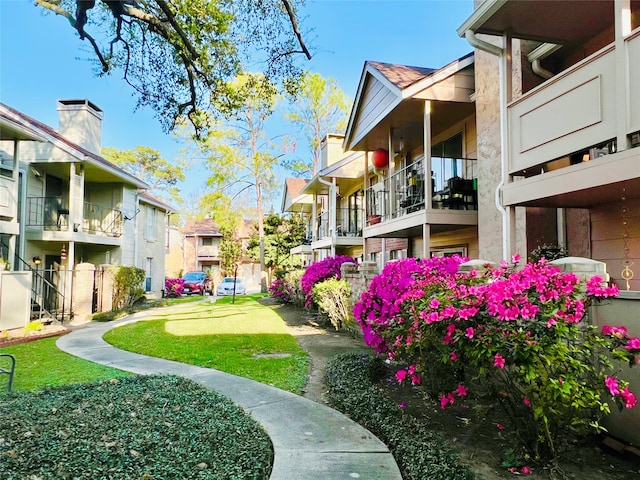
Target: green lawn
40, 364
245, 338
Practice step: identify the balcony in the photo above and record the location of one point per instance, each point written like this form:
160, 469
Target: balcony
208, 252
580, 108
453, 187
8, 199
349, 224
52, 214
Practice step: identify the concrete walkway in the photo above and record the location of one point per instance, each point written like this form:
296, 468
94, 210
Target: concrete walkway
310, 441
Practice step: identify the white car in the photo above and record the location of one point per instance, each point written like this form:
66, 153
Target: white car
226, 286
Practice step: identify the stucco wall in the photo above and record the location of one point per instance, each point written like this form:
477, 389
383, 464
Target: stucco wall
489, 174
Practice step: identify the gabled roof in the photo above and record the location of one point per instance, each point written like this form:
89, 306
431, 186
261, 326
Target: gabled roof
292, 194
11, 118
401, 75
394, 84
206, 227
146, 197
295, 185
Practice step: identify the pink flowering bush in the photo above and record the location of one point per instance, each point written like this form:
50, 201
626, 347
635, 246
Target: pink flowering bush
319, 271
521, 333
286, 287
281, 290
173, 287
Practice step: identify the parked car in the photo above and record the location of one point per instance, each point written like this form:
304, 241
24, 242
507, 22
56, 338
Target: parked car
226, 286
198, 283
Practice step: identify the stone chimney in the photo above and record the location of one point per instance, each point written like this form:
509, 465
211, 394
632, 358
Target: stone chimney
81, 122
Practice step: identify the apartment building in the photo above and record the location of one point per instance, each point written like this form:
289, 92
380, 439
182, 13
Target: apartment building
558, 121
415, 128
65, 205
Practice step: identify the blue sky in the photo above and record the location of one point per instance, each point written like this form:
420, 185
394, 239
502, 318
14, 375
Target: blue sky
42, 60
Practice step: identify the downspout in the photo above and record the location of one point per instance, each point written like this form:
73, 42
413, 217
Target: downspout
476, 42
136, 205
332, 211
540, 53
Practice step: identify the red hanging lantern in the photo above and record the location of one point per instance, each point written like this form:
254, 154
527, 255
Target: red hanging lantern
380, 158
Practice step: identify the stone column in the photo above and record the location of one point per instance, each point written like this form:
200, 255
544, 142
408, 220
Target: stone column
83, 292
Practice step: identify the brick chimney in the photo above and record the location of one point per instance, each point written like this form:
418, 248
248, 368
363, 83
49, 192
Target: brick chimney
81, 122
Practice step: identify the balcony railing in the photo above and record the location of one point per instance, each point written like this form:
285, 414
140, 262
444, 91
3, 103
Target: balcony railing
102, 221
575, 110
52, 213
323, 226
8, 192
47, 213
453, 187
349, 222
208, 251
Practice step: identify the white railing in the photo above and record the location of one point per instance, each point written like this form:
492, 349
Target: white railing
576, 109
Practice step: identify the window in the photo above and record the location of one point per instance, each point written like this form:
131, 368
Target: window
207, 241
450, 148
355, 214
6, 163
148, 268
151, 221
449, 251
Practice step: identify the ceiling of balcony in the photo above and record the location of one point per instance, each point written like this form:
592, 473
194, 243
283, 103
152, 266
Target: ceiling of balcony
407, 121
555, 21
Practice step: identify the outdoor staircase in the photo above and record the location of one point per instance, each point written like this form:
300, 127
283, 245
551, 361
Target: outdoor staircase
41, 289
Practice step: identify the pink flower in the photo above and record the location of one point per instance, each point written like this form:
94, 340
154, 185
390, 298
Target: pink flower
470, 332
614, 330
402, 405
500, 426
515, 258
526, 401
416, 379
461, 391
633, 344
526, 470
444, 401
629, 398
612, 385
512, 469
453, 356
434, 303
498, 361
401, 375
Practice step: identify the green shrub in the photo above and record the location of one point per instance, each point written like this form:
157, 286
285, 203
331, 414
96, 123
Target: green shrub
352, 388
548, 252
333, 297
127, 286
144, 427
292, 279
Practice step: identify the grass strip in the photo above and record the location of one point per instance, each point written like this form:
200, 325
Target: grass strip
144, 427
245, 338
41, 364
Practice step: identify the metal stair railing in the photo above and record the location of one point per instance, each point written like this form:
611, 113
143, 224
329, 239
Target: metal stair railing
41, 288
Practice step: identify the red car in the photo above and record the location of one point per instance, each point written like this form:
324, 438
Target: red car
198, 283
